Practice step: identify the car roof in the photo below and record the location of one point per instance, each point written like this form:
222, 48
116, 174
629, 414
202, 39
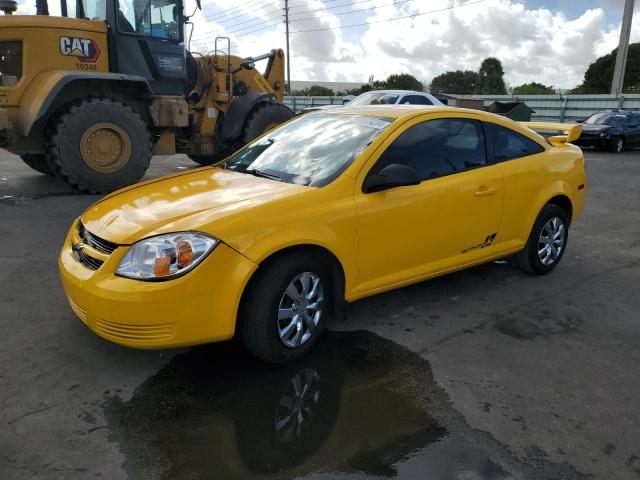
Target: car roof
413, 92
397, 111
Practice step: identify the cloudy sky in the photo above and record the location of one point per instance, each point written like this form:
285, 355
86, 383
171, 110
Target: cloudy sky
548, 41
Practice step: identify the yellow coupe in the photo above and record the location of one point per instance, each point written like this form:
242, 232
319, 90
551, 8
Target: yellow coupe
328, 208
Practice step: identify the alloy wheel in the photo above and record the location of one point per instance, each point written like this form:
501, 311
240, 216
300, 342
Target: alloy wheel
300, 309
619, 145
551, 241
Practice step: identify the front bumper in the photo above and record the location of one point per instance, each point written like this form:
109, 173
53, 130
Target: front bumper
199, 307
594, 141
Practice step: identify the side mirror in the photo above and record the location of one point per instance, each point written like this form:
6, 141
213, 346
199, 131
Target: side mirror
391, 176
199, 4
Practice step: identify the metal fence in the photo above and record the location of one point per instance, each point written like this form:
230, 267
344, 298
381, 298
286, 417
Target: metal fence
547, 107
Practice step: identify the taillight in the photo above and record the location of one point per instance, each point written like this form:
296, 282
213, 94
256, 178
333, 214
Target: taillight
10, 63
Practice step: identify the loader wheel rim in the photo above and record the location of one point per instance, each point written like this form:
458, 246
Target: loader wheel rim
105, 147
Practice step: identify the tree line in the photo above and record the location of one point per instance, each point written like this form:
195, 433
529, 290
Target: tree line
489, 80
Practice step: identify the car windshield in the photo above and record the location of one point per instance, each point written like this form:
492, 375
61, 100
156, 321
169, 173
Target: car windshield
310, 150
605, 119
375, 98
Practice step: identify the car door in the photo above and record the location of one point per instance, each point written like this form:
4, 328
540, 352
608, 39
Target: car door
447, 221
633, 130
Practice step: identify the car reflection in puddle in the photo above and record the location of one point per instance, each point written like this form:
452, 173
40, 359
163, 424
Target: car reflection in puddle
357, 407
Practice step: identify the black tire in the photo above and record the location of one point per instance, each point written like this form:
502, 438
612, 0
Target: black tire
264, 116
65, 136
206, 160
38, 162
528, 259
258, 315
617, 145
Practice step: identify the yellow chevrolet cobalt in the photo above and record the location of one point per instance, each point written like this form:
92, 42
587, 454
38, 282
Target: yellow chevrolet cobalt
328, 208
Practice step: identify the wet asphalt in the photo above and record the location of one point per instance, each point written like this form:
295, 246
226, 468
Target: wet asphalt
482, 374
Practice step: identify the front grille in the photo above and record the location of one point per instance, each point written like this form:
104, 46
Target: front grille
104, 246
92, 263
10, 63
99, 244
161, 331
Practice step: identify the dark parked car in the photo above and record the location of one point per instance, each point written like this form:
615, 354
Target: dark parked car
613, 131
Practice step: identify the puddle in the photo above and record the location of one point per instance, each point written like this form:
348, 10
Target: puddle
358, 407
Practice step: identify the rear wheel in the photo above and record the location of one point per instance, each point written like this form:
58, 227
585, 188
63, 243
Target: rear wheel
547, 242
285, 309
98, 145
38, 162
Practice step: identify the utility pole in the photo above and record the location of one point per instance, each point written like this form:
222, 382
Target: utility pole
286, 21
623, 49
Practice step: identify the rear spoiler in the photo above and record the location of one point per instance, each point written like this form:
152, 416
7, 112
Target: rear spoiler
570, 131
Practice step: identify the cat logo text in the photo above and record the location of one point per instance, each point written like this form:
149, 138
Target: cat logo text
84, 49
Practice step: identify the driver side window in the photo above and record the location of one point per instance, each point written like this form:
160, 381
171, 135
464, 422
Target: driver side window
150, 18
436, 148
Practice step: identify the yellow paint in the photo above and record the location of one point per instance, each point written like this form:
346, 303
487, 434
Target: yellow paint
573, 130
42, 60
383, 240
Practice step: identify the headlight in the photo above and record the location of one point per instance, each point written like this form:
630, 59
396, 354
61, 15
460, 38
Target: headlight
166, 256
606, 133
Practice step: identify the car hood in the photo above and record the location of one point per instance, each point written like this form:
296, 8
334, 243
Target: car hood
188, 201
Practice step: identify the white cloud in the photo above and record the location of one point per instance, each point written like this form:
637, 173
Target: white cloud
534, 45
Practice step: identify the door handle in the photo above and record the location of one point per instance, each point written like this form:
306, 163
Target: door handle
484, 190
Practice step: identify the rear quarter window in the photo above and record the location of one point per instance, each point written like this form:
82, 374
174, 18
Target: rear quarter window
507, 144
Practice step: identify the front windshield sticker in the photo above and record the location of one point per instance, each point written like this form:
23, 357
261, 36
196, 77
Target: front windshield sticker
376, 123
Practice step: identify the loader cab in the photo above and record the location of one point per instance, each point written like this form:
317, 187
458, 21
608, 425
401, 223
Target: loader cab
146, 39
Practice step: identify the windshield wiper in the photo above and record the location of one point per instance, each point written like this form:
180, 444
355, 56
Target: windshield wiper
263, 174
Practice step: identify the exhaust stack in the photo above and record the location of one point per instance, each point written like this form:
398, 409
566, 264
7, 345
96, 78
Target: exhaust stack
8, 6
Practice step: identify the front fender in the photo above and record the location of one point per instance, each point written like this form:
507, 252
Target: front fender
40, 95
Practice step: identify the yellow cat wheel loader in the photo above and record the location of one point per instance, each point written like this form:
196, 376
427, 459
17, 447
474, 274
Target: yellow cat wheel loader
91, 95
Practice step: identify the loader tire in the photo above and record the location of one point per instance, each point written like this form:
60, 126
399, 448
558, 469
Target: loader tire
39, 163
206, 160
263, 117
98, 145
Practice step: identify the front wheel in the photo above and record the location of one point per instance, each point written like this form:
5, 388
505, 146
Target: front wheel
618, 145
99, 145
285, 309
38, 162
547, 242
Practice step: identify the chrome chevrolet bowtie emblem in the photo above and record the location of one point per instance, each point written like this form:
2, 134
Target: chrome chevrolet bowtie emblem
77, 248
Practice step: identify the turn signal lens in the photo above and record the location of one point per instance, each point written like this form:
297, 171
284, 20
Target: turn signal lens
161, 266
185, 254
166, 256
